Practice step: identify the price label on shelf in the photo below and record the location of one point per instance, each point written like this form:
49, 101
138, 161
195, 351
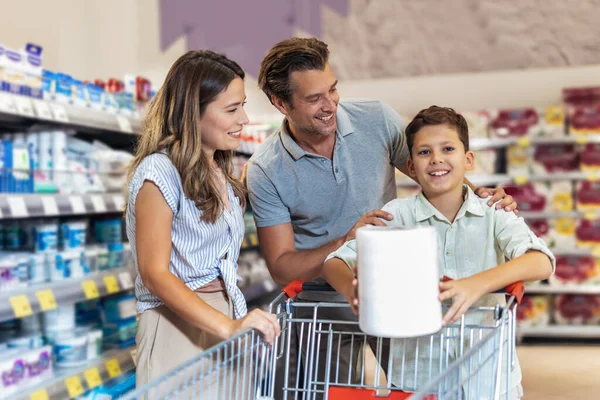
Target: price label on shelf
92, 377
50, 206
596, 251
17, 206
60, 112
524, 142
521, 180
581, 139
90, 290
592, 176
113, 368
244, 242
74, 386
119, 201
590, 215
98, 203
126, 281
42, 109
46, 299
39, 395
112, 286
124, 124
7, 103
20, 305
24, 106
77, 204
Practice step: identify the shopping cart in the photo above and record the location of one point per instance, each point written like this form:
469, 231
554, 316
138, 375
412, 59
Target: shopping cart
472, 359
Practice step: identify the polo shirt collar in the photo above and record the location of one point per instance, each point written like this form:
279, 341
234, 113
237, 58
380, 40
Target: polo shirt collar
344, 128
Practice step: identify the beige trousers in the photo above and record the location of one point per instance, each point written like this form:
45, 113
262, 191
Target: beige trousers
165, 341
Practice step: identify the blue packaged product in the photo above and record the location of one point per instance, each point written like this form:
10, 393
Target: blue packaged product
12, 236
46, 238
7, 163
108, 231
119, 308
78, 93
73, 234
114, 389
95, 96
38, 268
13, 72
64, 88
48, 84
115, 255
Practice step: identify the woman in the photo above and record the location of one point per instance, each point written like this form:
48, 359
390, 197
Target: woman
185, 216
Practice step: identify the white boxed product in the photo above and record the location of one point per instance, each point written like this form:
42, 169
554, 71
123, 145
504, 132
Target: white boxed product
558, 195
552, 121
562, 233
478, 123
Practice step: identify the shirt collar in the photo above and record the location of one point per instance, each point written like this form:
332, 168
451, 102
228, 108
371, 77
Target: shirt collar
344, 128
425, 210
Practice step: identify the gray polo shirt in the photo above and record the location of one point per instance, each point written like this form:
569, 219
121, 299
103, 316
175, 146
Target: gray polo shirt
324, 198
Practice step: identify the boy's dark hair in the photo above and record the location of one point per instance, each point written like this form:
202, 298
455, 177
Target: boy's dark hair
287, 56
435, 115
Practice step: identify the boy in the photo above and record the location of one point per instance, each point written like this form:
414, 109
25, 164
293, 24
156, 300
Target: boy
475, 240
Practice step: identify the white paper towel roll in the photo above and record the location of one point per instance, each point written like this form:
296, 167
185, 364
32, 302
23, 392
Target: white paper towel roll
398, 275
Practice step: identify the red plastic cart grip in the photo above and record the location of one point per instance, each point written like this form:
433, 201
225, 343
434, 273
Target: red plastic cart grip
344, 393
516, 289
293, 288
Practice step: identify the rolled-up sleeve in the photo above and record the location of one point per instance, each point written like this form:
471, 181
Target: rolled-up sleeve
514, 237
346, 253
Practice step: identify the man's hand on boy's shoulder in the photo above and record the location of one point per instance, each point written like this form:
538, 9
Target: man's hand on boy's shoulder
508, 203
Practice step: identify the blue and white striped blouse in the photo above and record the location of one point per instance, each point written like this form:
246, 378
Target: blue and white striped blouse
198, 247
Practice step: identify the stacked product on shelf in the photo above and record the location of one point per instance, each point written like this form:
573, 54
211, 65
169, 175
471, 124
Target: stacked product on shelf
47, 160
22, 73
38, 251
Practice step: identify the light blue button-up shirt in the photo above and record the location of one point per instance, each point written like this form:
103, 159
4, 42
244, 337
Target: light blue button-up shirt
480, 238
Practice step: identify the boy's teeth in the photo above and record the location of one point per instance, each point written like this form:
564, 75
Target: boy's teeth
438, 173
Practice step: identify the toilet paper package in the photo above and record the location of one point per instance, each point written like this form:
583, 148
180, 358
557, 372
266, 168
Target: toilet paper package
562, 233
558, 195
588, 196
399, 281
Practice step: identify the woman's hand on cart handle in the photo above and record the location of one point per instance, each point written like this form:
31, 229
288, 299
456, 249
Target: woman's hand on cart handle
264, 322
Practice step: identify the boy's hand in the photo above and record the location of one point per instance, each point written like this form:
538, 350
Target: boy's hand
508, 202
353, 297
464, 292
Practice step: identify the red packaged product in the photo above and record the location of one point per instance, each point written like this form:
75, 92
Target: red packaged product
515, 123
575, 309
574, 270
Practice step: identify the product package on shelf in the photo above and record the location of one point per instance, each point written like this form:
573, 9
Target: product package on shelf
588, 234
21, 368
576, 309
562, 233
478, 123
553, 124
485, 162
583, 110
548, 159
588, 196
590, 158
534, 311
572, 269
544, 196
515, 123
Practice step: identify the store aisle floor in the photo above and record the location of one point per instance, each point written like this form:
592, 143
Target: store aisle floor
553, 372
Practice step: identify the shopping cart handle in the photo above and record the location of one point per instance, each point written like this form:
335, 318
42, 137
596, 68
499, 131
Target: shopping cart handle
295, 287
516, 289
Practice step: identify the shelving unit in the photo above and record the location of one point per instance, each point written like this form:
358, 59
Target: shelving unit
24, 111
15, 205
73, 382
46, 296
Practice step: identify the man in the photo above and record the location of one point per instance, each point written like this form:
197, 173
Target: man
328, 160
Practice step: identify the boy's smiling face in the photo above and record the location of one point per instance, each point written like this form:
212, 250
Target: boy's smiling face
439, 160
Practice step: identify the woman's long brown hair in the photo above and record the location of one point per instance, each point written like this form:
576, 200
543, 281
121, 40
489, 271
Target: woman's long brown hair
172, 125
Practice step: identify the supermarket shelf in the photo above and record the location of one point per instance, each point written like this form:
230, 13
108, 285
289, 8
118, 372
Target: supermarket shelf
48, 205
73, 382
495, 143
566, 289
560, 331
576, 252
502, 179
257, 290
556, 214
19, 109
46, 296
